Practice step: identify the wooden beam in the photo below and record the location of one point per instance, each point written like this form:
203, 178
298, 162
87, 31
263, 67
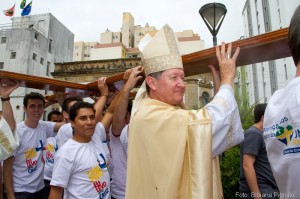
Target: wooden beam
260, 48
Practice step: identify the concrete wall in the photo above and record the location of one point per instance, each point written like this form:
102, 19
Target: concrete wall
187, 47
106, 53
127, 29
32, 35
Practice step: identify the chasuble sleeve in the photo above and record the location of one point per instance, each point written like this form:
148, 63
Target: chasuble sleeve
8, 140
227, 128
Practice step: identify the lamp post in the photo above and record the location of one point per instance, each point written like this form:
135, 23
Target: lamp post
213, 15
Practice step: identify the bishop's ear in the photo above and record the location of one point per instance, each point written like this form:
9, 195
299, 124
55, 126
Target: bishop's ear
151, 82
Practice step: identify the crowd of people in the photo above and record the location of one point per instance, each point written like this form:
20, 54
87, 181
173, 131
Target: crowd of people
152, 147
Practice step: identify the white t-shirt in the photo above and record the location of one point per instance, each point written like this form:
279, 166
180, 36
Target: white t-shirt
119, 159
81, 169
50, 151
8, 140
282, 137
66, 132
124, 138
28, 175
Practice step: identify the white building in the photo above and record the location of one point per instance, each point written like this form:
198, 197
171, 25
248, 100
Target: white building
31, 45
82, 50
124, 44
263, 79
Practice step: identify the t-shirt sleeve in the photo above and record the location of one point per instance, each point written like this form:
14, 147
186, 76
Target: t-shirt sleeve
49, 126
61, 171
101, 130
64, 133
124, 138
227, 128
252, 143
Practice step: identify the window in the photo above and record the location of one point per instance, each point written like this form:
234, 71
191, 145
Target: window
42, 61
205, 98
1, 65
3, 40
36, 35
13, 55
50, 46
48, 68
86, 55
34, 56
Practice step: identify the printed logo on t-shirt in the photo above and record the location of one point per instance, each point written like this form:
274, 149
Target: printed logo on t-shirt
50, 149
31, 157
95, 174
286, 134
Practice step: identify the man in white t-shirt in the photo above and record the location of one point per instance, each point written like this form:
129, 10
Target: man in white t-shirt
282, 124
119, 135
23, 172
66, 132
80, 167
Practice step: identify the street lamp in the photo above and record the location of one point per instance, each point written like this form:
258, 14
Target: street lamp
213, 15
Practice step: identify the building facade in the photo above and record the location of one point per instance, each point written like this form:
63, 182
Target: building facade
261, 80
31, 45
115, 46
124, 44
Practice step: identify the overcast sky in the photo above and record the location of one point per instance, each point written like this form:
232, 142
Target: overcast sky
87, 19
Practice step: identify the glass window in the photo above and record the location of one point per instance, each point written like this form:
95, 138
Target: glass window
48, 68
205, 98
42, 61
3, 40
13, 55
50, 46
36, 35
34, 56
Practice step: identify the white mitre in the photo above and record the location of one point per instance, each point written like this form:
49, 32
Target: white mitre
159, 53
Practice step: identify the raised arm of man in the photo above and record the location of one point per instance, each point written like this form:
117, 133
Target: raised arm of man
121, 107
7, 112
99, 105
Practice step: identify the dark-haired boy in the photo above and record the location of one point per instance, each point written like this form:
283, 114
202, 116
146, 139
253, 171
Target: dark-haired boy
80, 168
256, 177
23, 172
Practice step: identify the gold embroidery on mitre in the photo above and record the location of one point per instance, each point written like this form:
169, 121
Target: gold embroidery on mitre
164, 62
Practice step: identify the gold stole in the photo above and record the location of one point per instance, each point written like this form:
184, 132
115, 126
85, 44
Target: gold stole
169, 154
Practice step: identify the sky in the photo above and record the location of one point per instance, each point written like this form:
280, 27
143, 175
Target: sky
87, 19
